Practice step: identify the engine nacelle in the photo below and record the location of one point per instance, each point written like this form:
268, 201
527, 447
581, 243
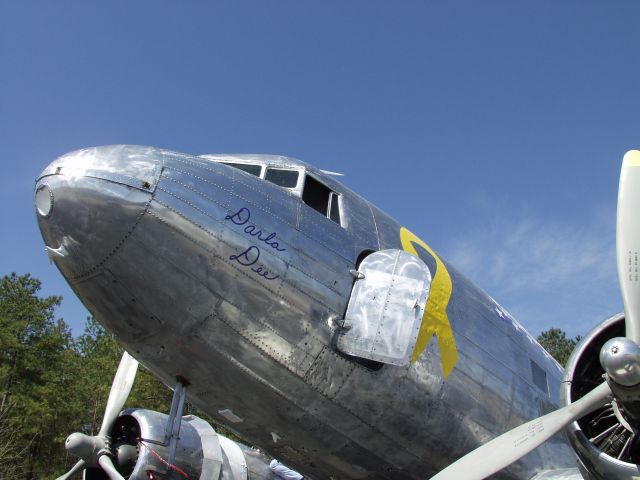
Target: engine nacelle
605, 448
140, 449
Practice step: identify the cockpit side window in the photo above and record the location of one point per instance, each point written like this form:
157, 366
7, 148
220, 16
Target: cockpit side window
334, 207
321, 198
250, 168
282, 177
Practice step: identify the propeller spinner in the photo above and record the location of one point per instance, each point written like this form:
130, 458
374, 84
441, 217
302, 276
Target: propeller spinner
620, 357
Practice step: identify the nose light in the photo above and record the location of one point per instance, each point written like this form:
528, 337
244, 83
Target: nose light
44, 200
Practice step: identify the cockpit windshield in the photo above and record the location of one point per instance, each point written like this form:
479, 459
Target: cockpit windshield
282, 177
287, 177
246, 167
313, 192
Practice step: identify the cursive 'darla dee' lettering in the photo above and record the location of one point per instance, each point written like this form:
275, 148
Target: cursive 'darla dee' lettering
249, 258
242, 217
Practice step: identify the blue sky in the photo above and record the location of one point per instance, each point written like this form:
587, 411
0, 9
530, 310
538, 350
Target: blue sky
495, 130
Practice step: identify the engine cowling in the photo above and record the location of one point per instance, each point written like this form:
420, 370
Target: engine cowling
606, 449
140, 451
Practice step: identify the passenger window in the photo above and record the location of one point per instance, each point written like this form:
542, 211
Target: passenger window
321, 198
539, 377
282, 178
246, 167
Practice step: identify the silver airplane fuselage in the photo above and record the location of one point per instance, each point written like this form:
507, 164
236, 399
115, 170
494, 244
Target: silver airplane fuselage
239, 285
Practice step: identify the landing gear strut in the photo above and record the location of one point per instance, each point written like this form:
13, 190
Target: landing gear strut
172, 430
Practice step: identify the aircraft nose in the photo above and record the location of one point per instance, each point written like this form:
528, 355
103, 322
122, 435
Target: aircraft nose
89, 201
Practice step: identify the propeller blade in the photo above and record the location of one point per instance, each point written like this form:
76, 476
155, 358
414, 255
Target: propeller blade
75, 469
628, 242
122, 383
107, 465
509, 447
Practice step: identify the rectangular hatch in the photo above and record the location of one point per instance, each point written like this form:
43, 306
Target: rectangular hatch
385, 308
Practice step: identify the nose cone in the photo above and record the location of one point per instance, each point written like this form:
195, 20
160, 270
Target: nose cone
89, 201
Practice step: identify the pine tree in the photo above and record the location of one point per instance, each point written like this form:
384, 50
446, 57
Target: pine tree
555, 342
34, 355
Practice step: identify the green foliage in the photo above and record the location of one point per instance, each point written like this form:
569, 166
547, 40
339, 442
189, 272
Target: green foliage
35, 357
52, 384
555, 342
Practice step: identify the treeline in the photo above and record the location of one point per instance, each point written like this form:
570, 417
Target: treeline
52, 384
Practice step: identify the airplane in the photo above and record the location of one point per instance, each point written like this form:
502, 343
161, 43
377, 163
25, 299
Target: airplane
319, 329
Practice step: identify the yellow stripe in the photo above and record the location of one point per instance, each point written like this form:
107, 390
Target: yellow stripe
435, 320
631, 159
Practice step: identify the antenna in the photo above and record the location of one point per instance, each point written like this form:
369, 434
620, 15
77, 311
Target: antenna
329, 172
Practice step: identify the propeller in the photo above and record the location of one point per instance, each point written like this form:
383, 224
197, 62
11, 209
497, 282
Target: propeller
628, 242
620, 357
509, 447
96, 450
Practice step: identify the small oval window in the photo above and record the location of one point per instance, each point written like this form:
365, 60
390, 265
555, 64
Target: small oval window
282, 178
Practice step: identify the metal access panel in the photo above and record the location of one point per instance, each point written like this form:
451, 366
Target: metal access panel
386, 306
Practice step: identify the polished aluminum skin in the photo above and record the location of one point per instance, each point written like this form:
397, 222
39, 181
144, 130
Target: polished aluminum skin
568, 474
386, 307
206, 272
